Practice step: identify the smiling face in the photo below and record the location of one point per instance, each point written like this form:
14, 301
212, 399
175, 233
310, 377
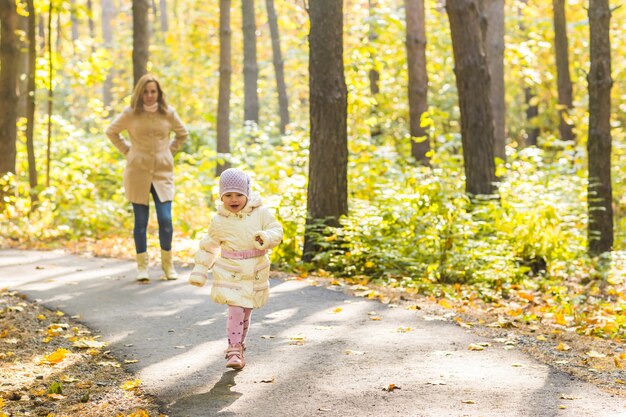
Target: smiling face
150, 93
234, 202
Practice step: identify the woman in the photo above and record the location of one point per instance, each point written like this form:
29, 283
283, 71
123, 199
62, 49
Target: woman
149, 166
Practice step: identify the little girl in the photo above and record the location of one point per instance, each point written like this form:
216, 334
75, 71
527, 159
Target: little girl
244, 230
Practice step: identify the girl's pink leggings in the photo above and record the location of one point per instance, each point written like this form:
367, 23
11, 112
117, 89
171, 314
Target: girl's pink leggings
237, 324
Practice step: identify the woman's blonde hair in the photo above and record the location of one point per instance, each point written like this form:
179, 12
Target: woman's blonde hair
136, 101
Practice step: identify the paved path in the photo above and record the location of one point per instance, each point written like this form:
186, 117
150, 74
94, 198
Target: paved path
311, 351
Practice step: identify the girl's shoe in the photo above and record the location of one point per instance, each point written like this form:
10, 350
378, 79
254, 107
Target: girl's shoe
234, 356
243, 346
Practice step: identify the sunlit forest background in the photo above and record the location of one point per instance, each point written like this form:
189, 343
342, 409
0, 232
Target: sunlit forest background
409, 225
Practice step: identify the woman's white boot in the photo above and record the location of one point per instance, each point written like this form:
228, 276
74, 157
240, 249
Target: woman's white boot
142, 267
167, 263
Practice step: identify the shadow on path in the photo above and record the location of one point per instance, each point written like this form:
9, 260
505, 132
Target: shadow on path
220, 397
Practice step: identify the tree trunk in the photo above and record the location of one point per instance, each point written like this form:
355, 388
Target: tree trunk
250, 68
108, 12
374, 75
327, 198
22, 69
30, 97
223, 101
41, 25
74, 22
50, 95
163, 15
9, 77
283, 103
493, 11
532, 111
418, 78
564, 82
141, 38
472, 81
599, 193
91, 25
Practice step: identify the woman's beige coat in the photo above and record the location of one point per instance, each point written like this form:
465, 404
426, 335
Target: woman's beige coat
150, 153
238, 282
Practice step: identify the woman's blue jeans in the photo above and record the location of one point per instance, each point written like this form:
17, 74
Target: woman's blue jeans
164, 216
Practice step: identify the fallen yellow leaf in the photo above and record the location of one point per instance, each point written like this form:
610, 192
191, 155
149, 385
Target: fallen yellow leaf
297, 341
54, 357
474, 346
562, 347
559, 318
131, 385
403, 329
594, 354
391, 387
139, 413
444, 303
468, 401
462, 323
337, 310
87, 343
541, 338
354, 352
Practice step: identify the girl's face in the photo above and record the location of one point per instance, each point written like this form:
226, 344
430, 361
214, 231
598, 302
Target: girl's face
150, 93
234, 202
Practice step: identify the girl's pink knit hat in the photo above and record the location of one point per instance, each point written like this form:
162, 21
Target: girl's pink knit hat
234, 180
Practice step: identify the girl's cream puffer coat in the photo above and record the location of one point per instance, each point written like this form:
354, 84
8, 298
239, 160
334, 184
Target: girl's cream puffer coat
238, 282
